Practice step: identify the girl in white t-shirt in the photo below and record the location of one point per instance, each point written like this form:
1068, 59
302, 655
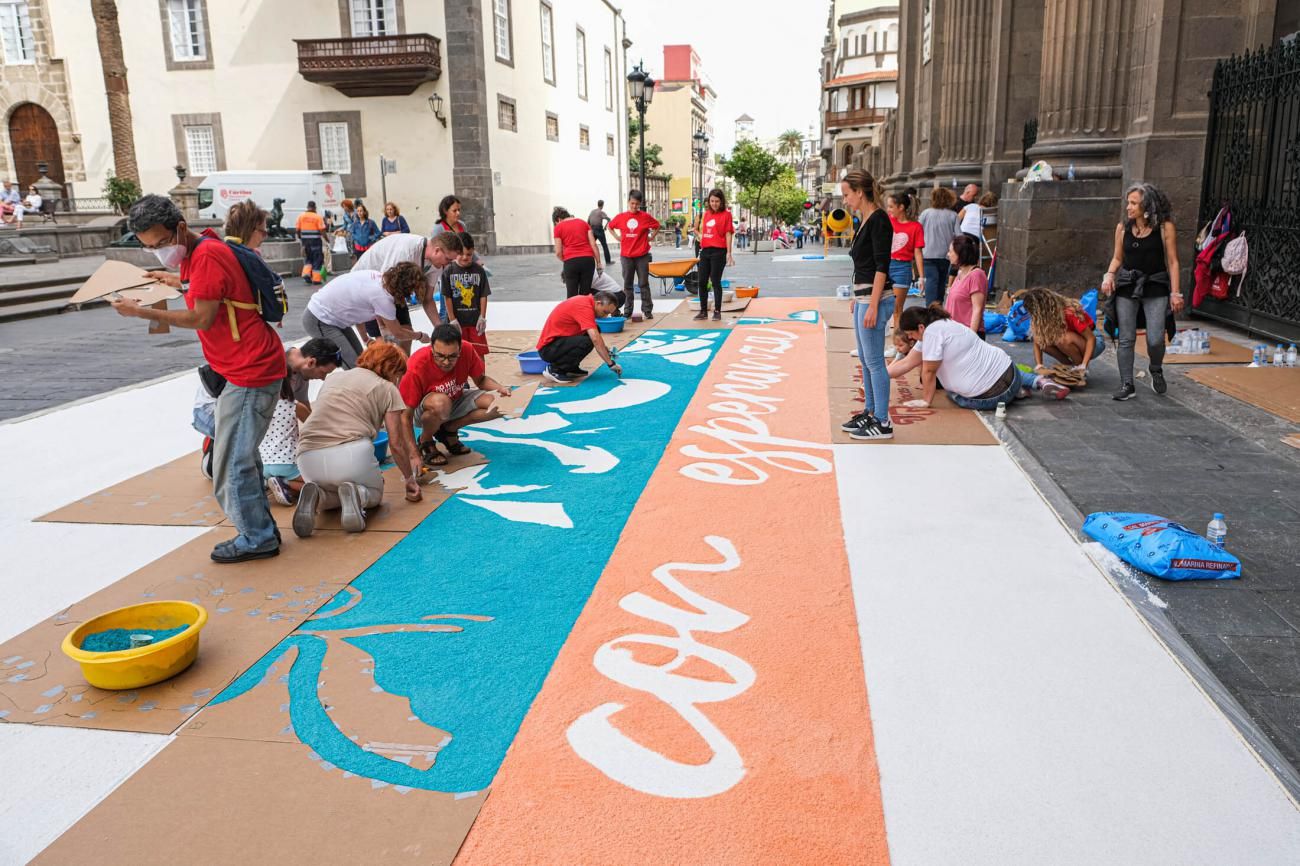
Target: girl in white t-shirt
975, 374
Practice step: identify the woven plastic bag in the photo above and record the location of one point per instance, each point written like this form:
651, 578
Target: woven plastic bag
1161, 547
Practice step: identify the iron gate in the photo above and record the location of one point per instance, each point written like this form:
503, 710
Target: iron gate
1252, 166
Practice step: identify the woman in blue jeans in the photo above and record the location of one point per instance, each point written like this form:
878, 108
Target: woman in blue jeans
873, 303
975, 374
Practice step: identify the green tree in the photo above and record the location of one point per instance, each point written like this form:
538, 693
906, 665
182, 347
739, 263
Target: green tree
753, 169
789, 144
653, 152
782, 200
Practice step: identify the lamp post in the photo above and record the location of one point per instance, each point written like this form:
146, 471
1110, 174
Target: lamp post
642, 89
701, 153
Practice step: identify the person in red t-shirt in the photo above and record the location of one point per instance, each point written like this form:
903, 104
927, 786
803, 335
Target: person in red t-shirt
437, 399
239, 345
575, 246
1062, 328
570, 333
634, 229
716, 232
908, 246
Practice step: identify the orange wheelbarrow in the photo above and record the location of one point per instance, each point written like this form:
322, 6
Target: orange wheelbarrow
668, 273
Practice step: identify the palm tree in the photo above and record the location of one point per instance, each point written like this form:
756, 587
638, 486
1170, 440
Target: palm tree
789, 145
119, 97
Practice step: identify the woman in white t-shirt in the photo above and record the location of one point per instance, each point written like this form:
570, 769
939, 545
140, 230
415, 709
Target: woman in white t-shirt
343, 305
975, 374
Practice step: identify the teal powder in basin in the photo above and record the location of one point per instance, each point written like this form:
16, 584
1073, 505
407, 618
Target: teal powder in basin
114, 639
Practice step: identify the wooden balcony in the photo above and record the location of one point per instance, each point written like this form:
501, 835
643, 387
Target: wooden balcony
371, 65
857, 117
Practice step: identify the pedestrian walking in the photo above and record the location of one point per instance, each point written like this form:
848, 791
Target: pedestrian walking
717, 233
575, 247
310, 229
908, 244
742, 234
364, 231
1143, 275
940, 224
597, 219
873, 302
634, 229
238, 345
394, 223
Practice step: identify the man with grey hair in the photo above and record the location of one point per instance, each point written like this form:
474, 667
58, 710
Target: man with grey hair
239, 346
10, 201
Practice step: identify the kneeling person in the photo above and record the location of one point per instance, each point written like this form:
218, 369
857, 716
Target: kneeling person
436, 398
336, 450
570, 333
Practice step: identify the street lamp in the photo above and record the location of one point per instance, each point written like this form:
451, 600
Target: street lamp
701, 153
642, 89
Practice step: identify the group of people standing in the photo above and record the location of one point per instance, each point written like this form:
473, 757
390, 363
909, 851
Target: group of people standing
891, 250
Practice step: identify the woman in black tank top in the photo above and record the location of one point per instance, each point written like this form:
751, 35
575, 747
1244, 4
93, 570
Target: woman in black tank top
1143, 274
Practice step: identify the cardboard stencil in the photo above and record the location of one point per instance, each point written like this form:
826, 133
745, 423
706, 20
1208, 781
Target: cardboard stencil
174, 494
237, 801
125, 279
251, 607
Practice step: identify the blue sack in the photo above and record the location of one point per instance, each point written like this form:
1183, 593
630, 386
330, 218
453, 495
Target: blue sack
1017, 329
1161, 547
1089, 303
994, 323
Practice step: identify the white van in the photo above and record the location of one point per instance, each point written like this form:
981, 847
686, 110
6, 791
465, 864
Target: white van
221, 189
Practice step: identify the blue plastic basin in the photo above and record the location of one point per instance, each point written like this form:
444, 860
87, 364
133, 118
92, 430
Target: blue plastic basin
611, 324
381, 446
530, 362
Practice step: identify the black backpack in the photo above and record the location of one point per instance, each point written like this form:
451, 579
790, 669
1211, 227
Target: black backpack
270, 299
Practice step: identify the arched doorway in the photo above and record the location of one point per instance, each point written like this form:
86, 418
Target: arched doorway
34, 138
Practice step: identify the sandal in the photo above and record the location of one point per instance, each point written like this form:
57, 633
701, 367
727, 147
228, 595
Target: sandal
451, 441
430, 454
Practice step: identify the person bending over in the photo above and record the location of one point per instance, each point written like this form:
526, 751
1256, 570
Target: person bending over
1062, 329
347, 302
435, 397
570, 333
336, 450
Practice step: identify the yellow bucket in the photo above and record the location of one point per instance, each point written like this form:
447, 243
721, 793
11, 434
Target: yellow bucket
143, 666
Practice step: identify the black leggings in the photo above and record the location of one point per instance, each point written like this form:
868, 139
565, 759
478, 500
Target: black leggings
712, 262
578, 274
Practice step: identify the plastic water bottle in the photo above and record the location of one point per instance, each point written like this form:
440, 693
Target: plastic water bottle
1256, 359
1217, 531
1205, 342
1069, 175
1291, 358
1279, 356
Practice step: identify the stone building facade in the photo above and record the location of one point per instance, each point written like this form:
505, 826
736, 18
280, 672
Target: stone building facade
859, 73
38, 124
1116, 89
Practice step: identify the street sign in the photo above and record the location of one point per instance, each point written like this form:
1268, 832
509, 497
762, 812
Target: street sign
828, 189
679, 205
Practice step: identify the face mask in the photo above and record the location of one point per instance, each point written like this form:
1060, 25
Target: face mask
171, 256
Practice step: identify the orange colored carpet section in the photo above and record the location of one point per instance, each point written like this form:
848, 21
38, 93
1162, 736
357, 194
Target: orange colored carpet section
710, 705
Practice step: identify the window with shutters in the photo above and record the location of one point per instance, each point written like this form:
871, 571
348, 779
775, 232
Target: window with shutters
201, 148
584, 138
609, 145
506, 116
16, 33
186, 21
548, 44
552, 127
374, 17
609, 81
503, 38
582, 64
335, 147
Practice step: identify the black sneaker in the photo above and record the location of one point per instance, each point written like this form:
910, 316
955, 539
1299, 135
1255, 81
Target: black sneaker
205, 461
873, 428
556, 375
856, 421
1158, 381
1125, 392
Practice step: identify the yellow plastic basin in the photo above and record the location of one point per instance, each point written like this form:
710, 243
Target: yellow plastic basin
134, 668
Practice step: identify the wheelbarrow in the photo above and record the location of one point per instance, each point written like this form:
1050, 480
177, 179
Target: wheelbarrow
668, 273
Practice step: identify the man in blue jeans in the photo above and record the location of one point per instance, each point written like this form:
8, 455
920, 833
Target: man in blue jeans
239, 345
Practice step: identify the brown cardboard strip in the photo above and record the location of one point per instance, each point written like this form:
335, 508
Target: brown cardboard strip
207, 800
394, 513
174, 494
251, 607
838, 319
1273, 389
841, 340
941, 424
1221, 352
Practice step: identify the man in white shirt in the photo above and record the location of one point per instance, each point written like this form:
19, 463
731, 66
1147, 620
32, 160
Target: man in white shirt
432, 254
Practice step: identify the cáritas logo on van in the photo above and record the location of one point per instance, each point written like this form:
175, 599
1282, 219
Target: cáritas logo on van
229, 194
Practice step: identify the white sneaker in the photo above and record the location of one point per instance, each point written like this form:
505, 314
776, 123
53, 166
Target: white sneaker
304, 516
353, 518
890, 352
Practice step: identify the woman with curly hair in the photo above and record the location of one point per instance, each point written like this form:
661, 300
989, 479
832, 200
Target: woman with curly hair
1143, 275
336, 451
342, 306
1062, 329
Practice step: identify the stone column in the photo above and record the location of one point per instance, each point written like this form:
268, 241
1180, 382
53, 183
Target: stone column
1088, 51
964, 91
471, 119
1015, 68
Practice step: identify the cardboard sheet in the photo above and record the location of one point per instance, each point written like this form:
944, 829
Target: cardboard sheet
174, 494
251, 607
125, 279
735, 305
838, 319
234, 801
941, 424
841, 340
394, 513
1273, 389
1221, 352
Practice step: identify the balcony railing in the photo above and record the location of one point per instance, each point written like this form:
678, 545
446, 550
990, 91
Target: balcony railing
857, 117
371, 65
